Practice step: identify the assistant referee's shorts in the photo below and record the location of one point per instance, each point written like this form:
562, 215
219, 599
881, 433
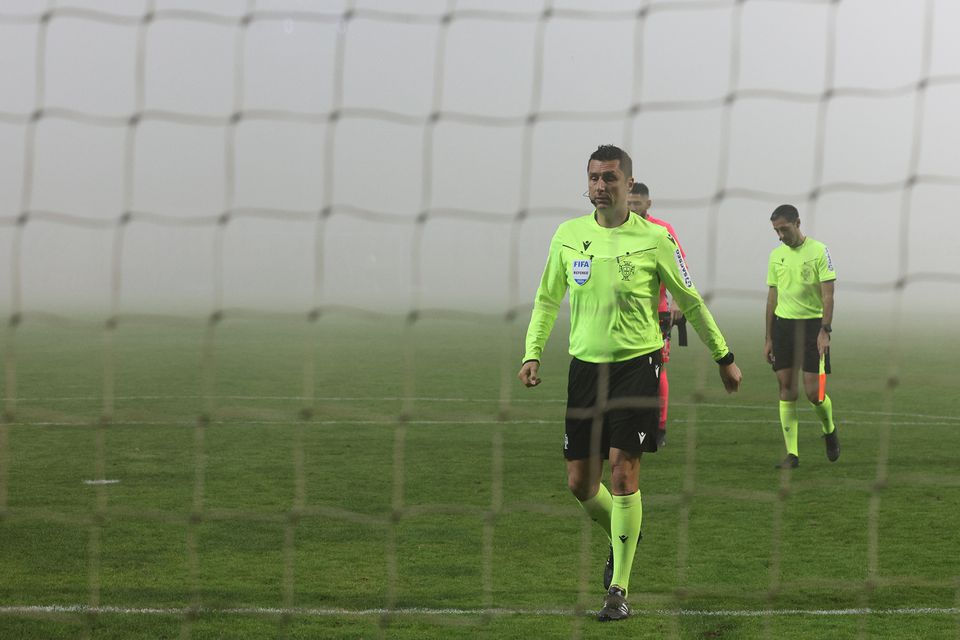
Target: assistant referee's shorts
796, 340
633, 409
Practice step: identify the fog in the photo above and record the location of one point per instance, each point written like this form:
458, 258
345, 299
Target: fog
384, 158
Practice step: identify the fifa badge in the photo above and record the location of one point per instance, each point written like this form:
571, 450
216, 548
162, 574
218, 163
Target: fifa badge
581, 271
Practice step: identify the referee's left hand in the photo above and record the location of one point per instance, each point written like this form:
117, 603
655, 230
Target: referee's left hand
731, 377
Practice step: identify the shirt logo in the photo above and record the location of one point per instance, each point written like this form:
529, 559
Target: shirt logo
627, 269
586, 244
581, 271
687, 280
829, 259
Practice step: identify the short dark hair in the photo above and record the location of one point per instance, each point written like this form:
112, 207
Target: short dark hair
786, 211
640, 189
606, 152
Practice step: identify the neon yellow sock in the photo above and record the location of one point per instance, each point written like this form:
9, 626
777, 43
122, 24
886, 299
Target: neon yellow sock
789, 423
625, 525
824, 411
599, 508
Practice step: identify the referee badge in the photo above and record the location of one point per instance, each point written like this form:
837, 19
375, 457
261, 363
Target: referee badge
581, 271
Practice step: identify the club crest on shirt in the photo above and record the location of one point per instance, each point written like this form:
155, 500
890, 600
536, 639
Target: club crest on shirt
581, 271
627, 269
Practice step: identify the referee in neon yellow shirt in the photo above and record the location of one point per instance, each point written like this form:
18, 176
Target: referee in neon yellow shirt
801, 278
612, 262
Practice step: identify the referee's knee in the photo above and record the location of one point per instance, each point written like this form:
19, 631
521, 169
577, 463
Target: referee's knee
623, 483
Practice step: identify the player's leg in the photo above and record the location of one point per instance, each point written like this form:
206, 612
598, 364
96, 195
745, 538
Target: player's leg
811, 384
666, 323
811, 378
632, 432
789, 419
784, 343
583, 480
664, 393
584, 447
824, 411
627, 515
625, 522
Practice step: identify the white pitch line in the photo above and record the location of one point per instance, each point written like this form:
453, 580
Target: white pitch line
101, 482
421, 611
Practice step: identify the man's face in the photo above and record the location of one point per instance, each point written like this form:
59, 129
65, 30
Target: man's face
606, 184
638, 203
788, 232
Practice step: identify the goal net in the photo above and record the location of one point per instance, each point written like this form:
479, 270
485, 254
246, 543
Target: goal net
319, 226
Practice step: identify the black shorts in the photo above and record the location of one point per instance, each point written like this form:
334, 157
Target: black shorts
793, 338
633, 414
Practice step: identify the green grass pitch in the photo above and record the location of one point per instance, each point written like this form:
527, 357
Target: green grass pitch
301, 506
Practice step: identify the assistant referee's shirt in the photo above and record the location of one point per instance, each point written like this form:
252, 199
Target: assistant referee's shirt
797, 272
614, 278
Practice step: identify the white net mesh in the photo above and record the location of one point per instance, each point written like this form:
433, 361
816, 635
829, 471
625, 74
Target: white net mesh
362, 159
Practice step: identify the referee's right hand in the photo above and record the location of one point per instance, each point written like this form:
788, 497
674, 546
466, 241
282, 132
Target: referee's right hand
529, 373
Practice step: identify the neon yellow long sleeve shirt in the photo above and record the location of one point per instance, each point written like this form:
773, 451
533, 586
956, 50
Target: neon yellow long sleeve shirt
614, 277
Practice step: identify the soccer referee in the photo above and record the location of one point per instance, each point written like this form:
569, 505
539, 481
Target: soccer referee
801, 278
612, 262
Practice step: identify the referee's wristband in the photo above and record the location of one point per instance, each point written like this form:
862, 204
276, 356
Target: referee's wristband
725, 360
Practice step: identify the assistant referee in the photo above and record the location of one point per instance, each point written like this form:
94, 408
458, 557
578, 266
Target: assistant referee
800, 277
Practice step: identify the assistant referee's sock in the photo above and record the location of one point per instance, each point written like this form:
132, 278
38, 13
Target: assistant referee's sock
788, 424
824, 411
599, 508
625, 526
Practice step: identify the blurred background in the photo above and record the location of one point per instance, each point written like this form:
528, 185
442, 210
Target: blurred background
284, 155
